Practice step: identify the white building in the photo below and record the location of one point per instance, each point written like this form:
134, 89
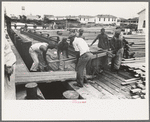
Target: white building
142, 21
84, 19
33, 17
60, 17
105, 19
121, 21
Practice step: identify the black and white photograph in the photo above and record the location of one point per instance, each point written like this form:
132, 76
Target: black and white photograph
75, 60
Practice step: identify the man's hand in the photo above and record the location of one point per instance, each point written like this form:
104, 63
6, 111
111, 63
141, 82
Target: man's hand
8, 71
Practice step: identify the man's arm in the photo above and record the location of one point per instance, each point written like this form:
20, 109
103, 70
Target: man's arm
94, 40
108, 42
112, 44
44, 56
66, 48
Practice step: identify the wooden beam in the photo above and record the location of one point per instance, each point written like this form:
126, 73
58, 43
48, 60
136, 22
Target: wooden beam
40, 77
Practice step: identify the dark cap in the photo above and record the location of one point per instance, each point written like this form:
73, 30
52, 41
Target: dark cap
81, 30
71, 35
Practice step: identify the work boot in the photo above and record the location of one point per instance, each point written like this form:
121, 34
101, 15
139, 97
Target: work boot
85, 80
78, 85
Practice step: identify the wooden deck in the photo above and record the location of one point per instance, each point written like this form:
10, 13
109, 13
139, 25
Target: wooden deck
105, 86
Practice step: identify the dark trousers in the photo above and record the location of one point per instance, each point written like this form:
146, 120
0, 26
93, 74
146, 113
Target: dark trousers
84, 60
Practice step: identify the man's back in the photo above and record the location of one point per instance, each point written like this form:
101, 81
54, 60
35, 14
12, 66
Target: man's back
80, 45
36, 46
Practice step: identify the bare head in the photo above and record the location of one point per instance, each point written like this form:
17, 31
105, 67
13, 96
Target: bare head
64, 39
43, 48
81, 30
102, 31
117, 32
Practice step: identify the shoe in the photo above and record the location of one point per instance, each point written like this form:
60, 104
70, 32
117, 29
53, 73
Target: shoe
85, 80
77, 84
33, 71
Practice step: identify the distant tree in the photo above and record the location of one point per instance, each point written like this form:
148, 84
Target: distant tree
46, 20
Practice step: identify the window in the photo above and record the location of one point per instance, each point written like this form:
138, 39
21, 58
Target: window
104, 19
84, 19
108, 19
112, 19
144, 24
99, 19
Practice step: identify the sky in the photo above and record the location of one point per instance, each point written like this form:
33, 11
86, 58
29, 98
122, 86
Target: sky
118, 9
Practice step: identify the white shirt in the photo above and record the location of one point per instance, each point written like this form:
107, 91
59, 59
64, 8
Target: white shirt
9, 56
36, 46
80, 45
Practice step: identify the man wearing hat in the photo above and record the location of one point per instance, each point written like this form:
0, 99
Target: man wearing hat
117, 46
35, 50
81, 46
104, 44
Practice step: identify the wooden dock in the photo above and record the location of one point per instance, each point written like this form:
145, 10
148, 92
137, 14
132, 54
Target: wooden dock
105, 86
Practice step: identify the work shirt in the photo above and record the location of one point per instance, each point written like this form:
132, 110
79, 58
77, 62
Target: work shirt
9, 56
62, 46
80, 45
103, 41
36, 46
116, 43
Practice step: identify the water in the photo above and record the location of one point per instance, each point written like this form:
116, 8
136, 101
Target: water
52, 90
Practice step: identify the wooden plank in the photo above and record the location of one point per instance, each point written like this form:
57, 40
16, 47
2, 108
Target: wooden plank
46, 77
20, 65
136, 58
111, 84
82, 91
117, 82
132, 61
110, 90
132, 79
107, 95
129, 82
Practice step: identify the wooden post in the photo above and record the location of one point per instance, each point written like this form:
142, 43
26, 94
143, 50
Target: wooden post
31, 90
70, 94
64, 65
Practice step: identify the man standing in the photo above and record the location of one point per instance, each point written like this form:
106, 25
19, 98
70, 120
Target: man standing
35, 50
104, 44
103, 40
9, 67
81, 46
15, 26
117, 46
26, 27
62, 48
